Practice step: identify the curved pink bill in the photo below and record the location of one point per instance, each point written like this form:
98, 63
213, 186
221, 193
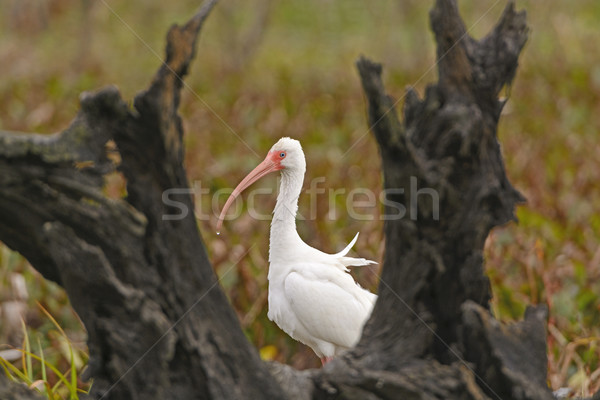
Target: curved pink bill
267, 166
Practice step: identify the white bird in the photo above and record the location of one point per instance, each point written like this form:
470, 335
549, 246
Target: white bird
312, 297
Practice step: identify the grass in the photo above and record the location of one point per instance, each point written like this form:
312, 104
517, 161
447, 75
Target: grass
46, 378
294, 76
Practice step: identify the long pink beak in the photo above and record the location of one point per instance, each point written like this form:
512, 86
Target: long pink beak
269, 164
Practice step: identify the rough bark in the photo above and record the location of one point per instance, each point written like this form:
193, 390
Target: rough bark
160, 326
433, 270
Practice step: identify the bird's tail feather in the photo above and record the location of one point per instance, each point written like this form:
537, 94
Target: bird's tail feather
351, 261
347, 249
355, 262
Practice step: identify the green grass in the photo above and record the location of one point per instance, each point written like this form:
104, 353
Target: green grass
295, 76
43, 376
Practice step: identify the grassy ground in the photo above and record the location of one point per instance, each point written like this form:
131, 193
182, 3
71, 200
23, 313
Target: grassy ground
270, 69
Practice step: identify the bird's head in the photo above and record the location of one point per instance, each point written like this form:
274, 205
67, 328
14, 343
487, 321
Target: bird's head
286, 156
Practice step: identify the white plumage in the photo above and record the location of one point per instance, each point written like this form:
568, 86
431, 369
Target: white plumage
312, 297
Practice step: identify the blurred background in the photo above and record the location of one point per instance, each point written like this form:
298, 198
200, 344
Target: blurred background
266, 69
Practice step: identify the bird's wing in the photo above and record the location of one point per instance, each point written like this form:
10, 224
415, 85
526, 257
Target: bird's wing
351, 261
330, 306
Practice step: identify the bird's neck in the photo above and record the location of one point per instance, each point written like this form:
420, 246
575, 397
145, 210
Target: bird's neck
283, 226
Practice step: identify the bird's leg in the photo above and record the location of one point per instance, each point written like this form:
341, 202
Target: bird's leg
325, 360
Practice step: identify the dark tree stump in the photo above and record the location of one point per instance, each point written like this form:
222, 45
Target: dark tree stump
160, 326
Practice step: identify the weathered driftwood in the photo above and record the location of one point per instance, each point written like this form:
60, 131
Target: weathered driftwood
160, 326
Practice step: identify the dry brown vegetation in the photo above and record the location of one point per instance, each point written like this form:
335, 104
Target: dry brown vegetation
287, 69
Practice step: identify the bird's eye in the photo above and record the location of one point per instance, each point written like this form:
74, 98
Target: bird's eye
282, 154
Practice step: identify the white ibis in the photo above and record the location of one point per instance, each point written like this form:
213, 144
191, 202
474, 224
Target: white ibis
312, 297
